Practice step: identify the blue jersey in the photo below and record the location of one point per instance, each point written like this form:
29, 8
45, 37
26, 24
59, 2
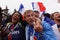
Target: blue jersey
47, 33
31, 31
51, 22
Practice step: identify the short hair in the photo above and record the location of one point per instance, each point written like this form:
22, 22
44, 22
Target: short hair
47, 15
36, 11
54, 13
27, 11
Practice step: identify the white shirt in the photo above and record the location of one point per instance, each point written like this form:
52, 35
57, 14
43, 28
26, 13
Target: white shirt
56, 31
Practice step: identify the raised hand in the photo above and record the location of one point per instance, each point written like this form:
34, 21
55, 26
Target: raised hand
37, 25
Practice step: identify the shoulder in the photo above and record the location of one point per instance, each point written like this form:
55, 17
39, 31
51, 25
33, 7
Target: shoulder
8, 24
45, 23
19, 24
22, 28
54, 25
46, 26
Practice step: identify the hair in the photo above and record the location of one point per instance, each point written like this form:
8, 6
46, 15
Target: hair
20, 15
52, 15
36, 11
27, 11
47, 15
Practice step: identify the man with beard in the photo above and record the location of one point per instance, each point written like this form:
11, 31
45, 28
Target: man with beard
33, 27
56, 27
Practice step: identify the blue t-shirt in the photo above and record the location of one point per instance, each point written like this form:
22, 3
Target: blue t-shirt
47, 33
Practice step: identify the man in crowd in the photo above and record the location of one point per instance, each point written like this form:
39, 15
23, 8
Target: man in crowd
35, 27
56, 27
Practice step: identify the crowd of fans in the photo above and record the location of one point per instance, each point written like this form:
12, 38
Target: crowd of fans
29, 26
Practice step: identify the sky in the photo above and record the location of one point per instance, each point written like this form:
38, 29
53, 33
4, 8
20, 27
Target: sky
51, 5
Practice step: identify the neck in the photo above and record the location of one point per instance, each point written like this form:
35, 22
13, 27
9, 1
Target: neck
57, 22
59, 29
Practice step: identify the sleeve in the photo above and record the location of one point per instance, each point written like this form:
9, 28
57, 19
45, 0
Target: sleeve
46, 26
51, 22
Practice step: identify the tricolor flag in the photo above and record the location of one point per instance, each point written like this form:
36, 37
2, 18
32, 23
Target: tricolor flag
39, 7
21, 9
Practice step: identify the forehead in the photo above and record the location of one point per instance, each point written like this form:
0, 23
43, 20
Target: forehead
56, 14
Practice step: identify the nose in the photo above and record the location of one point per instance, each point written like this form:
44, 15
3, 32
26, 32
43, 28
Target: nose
31, 17
15, 15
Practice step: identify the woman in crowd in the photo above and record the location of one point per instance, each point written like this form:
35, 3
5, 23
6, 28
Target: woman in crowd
14, 29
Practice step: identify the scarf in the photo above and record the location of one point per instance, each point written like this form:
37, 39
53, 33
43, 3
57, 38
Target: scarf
30, 33
11, 27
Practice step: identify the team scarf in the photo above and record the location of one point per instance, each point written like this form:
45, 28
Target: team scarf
31, 34
12, 27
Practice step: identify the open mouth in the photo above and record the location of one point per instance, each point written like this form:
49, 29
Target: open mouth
15, 18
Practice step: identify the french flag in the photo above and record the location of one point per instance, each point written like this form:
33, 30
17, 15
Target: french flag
39, 7
21, 9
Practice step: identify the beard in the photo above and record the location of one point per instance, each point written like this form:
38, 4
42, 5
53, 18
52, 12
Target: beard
31, 22
58, 20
